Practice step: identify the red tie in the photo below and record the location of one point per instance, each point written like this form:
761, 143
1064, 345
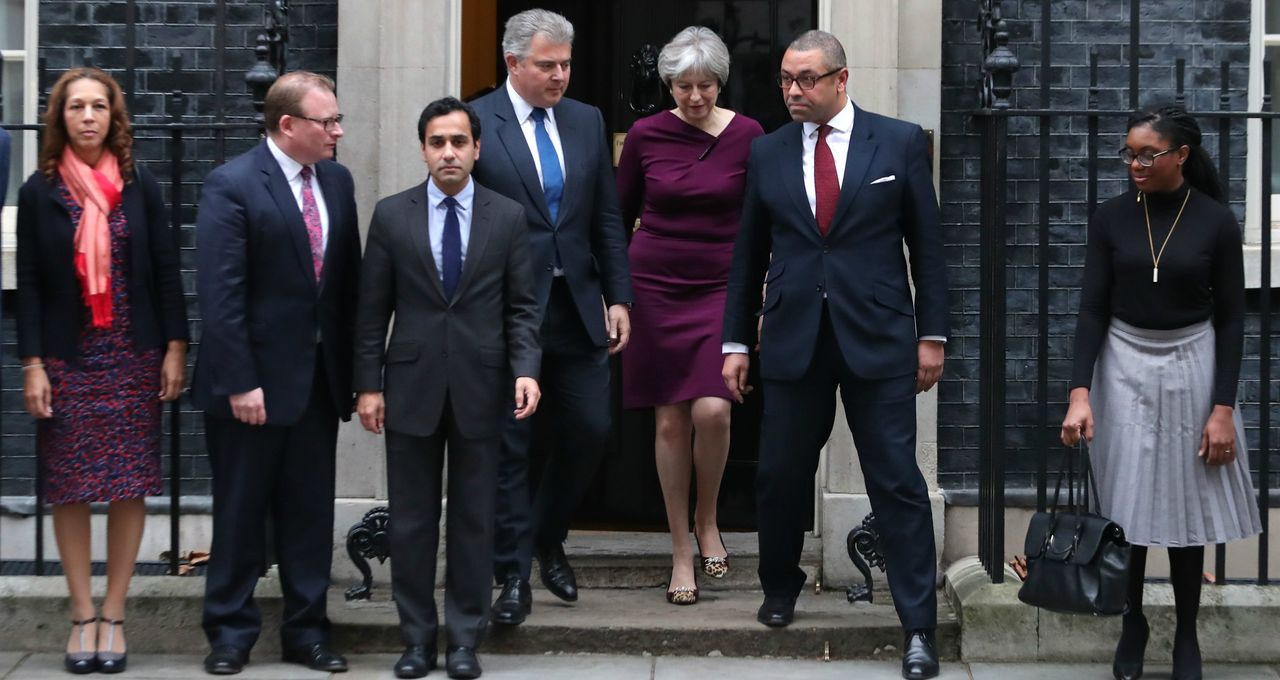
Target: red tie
311, 218
826, 186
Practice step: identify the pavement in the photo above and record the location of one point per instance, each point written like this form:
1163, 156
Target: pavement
37, 666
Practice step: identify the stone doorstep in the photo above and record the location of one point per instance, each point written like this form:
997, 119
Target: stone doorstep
164, 617
1237, 623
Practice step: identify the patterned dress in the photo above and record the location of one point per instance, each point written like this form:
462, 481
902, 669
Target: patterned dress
103, 441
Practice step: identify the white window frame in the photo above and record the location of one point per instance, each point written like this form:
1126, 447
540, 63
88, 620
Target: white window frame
29, 56
1259, 40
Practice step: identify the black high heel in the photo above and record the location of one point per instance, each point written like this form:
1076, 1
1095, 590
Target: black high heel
81, 662
109, 661
1130, 669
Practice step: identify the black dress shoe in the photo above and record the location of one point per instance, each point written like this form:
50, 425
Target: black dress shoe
556, 573
777, 611
318, 657
416, 661
919, 656
461, 662
513, 603
225, 660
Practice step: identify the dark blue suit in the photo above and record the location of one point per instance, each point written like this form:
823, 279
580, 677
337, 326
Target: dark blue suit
838, 311
588, 235
267, 323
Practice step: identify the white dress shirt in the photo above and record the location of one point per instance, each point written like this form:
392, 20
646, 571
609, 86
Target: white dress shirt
293, 174
524, 114
838, 141
436, 216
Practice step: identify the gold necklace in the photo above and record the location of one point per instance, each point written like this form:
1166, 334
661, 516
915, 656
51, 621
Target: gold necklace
1155, 257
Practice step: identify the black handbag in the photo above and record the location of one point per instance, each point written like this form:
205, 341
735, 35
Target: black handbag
1077, 560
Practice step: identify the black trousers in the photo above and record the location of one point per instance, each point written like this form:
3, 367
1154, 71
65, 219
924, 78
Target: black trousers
287, 473
414, 473
797, 420
572, 425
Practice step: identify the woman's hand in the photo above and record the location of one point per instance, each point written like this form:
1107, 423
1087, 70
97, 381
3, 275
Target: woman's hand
1079, 419
1218, 443
36, 393
173, 371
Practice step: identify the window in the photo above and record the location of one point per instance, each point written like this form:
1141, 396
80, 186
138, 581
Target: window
17, 105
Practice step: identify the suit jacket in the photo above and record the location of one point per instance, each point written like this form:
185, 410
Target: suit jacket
588, 230
4, 164
51, 309
465, 349
858, 268
263, 309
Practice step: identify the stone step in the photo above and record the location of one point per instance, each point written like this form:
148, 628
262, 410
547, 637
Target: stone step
613, 559
640, 621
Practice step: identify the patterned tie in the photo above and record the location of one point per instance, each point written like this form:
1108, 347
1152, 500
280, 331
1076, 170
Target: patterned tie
552, 177
451, 248
311, 217
826, 186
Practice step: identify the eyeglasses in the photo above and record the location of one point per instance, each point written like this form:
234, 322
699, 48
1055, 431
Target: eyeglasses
806, 82
1146, 159
326, 123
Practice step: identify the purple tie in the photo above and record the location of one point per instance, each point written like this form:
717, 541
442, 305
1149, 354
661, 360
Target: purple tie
311, 217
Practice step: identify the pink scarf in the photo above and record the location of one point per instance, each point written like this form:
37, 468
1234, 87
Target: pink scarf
97, 190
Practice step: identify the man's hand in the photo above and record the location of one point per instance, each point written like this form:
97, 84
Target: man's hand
734, 373
929, 355
527, 396
619, 323
372, 411
1218, 443
250, 407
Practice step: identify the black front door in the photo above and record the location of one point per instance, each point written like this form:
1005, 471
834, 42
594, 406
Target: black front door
608, 37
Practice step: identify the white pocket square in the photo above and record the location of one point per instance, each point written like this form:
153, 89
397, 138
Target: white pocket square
886, 178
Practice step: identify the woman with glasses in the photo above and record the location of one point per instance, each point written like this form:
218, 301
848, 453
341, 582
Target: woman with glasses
1157, 358
102, 332
683, 172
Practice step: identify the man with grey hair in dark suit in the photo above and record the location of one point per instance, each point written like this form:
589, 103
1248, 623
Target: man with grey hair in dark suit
549, 153
449, 258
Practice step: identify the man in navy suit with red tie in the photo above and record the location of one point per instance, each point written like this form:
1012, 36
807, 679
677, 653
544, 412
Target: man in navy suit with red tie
831, 199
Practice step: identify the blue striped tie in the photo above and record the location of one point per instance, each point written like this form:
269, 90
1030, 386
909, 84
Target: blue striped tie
552, 177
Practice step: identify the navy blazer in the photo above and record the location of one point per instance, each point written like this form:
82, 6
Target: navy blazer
858, 268
51, 309
261, 305
588, 230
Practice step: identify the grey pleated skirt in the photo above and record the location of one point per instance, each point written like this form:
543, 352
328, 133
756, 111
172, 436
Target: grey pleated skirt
1151, 396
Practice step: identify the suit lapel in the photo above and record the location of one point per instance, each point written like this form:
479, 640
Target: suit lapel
575, 152
480, 230
862, 149
333, 207
513, 141
793, 173
417, 220
280, 192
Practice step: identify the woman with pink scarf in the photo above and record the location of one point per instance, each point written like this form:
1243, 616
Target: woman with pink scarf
102, 332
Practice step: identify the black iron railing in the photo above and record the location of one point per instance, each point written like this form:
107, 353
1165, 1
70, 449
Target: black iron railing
993, 119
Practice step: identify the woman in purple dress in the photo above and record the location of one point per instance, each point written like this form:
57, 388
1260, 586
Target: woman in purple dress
682, 172
102, 332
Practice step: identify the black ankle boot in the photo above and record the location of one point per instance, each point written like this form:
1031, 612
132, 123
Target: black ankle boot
1131, 648
1186, 657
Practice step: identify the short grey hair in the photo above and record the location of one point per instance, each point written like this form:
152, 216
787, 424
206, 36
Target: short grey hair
696, 49
521, 28
832, 50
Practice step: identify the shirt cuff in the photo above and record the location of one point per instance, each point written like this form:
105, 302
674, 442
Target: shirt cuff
733, 348
935, 338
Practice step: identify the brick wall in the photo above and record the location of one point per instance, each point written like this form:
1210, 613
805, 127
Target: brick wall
164, 29
1204, 33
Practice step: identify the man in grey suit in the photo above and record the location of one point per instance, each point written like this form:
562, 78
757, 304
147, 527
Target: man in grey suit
450, 259
549, 153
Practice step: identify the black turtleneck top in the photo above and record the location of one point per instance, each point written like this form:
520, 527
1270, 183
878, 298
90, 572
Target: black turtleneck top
1201, 277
